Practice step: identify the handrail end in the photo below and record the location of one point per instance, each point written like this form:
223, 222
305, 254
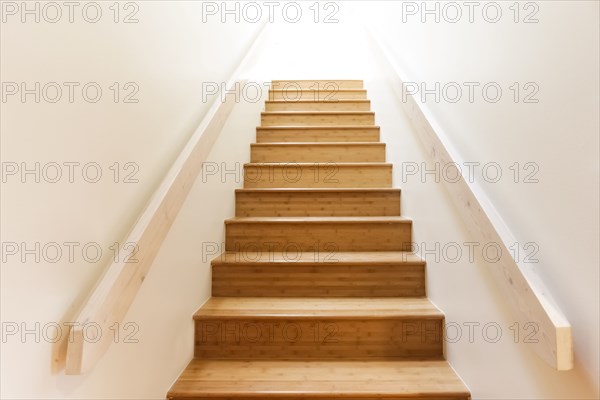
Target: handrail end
74, 356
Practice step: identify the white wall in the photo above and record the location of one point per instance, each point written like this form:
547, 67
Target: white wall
560, 213
169, 53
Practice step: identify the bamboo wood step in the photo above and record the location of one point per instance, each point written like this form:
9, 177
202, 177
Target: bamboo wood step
318, 274
317, 118
318, 105
317, 175
294, 380
318, 233
295, 94
317, 152
317, 134
318, 84
301, 308
373, 258
321, 328
317, 202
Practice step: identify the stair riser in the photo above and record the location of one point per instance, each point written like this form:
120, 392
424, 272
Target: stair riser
328, 105
315, 204
317, 135
318, 281
317, 153
295, 94
317, 338
317, 176
320, 84
317, 119
292, 237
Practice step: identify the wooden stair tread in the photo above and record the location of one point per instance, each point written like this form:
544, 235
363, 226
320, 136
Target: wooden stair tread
321, 144
381, 379
317, 118
311, 152
318, 174
318, 274
318, 190
326, 201
312, 112
340, 164
321, 80
319, 233
318, 127
323, 84
309, 258
319, 220
292, 93
290, 89
319, 307
319, 101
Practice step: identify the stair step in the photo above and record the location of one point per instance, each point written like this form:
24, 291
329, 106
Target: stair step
314, 274
318, 105
317, 202
295, 94
307, 308
324, 380
318, 84
332, 234
317, 118
317, 175
322, 328
309, 258
317, 134
317, 152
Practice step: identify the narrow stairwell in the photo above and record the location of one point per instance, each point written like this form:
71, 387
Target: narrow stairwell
317, 295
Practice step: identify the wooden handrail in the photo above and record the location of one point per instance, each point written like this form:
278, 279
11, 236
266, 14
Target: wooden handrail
117, 288
115, 291
530, 299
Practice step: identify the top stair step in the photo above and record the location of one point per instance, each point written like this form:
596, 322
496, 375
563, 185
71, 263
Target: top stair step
317, 84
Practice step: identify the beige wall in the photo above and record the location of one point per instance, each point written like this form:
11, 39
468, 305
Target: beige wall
558, 135
168, 54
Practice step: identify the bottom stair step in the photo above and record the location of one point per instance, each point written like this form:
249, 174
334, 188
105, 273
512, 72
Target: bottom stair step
318, 328
357, 380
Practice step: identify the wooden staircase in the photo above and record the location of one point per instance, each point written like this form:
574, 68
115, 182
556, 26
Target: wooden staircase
317, 295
